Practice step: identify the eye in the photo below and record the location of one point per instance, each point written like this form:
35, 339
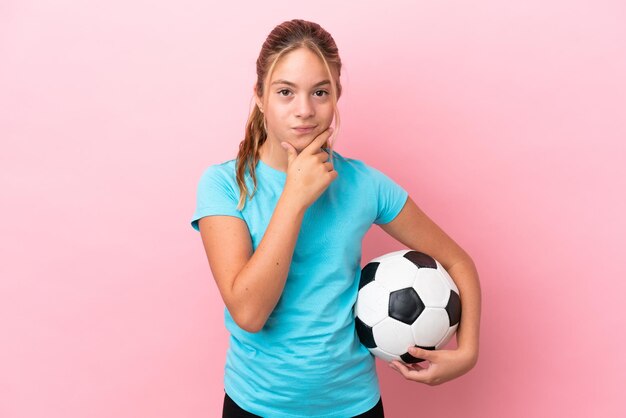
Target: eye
324, 92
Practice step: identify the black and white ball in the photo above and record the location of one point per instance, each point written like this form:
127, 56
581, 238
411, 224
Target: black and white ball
406, 298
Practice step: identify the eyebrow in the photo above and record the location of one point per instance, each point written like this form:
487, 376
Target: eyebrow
289, 83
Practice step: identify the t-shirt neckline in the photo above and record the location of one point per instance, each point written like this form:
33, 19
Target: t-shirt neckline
271, 170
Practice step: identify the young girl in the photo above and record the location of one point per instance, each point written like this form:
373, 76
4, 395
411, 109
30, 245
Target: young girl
286, 257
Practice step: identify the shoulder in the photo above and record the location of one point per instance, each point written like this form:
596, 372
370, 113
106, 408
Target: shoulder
223, 171
220, 176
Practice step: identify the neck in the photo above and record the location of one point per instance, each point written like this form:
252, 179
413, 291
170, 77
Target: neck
273, 155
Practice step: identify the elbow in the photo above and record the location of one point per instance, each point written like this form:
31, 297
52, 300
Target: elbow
246, 312
249, 323
251, 327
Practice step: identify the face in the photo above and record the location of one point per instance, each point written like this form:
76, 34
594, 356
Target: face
297, 95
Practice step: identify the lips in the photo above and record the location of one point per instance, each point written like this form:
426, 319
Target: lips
304, 129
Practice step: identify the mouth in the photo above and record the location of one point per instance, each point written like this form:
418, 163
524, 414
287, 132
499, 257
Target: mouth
305, 129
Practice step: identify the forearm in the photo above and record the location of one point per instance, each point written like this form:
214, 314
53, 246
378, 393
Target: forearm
259, 285
465, 276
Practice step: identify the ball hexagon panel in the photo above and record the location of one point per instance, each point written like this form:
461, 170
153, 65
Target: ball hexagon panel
430, 327
372, 303
405, 305
393, 336
396, 273
382, 354
432, 288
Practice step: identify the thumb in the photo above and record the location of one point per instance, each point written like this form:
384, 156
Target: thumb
291, 151
420, 353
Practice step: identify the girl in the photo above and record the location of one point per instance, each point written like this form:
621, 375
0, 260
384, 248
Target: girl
286, 258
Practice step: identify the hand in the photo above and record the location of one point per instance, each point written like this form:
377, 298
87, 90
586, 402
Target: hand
443, 365
309, 173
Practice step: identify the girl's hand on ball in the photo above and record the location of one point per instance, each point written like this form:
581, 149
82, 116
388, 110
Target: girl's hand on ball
309, 173
443, 365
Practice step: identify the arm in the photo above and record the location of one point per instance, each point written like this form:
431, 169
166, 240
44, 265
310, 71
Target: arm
251, 283
415, 230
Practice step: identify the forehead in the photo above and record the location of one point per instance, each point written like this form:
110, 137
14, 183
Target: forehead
301, 67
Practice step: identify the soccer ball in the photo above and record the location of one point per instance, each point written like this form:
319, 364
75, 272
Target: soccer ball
406, 298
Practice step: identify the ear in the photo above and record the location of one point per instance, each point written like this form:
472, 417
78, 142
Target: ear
257, 99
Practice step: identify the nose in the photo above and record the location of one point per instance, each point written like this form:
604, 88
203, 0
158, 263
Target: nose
304, 107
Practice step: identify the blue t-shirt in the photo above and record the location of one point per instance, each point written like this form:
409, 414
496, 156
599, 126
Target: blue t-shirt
307, 361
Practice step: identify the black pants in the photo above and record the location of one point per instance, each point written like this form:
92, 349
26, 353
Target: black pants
232, 410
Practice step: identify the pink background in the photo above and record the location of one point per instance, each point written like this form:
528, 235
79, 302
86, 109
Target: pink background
505, 121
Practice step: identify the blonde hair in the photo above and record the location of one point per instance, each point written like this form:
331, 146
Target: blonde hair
284, 38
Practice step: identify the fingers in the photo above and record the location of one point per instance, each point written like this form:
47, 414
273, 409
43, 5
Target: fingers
412, 372
421, 353
292, 153
319, 140
322, 156
408, 366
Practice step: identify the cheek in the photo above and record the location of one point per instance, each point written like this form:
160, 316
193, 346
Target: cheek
278, 116
273, 120
328, 112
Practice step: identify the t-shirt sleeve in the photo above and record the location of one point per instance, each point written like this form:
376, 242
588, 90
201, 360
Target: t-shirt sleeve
391, 197
215, 195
